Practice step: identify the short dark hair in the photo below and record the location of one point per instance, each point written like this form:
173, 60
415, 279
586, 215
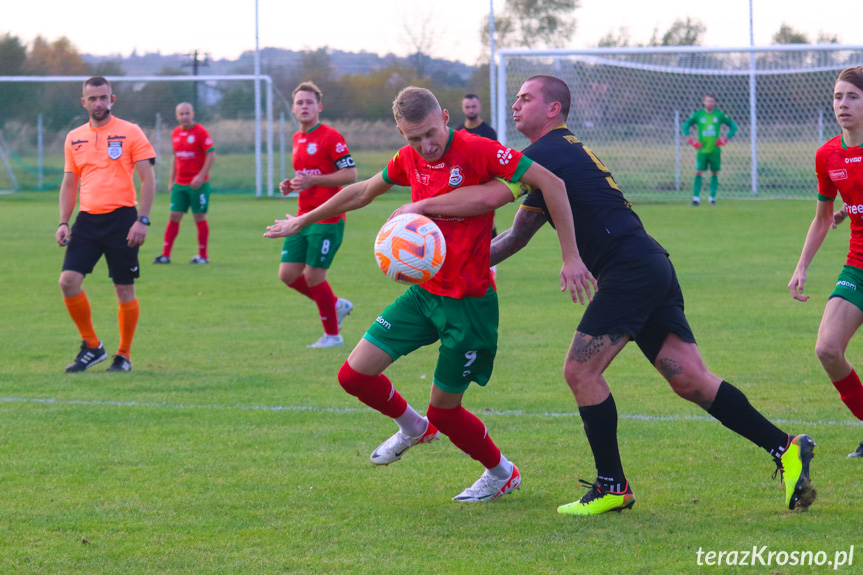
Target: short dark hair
554, 90
852, 75
470, 96
96, 81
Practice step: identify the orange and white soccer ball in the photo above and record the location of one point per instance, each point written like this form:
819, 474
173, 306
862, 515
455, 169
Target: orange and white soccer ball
410, 249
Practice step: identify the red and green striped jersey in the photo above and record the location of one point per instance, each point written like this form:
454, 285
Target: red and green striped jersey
468, 160
840, 170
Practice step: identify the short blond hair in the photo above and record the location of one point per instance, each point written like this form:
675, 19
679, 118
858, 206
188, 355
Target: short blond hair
308, 86
414, 104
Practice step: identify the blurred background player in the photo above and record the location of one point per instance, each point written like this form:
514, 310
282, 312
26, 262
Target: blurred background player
839, 167
708, 122
458, 307
323, 164
639, 298
102, 156
471, 107
194, 155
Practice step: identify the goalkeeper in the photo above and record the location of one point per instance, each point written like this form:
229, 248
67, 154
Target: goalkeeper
708, 121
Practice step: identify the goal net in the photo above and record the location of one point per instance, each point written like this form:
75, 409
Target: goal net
629, 105
36, 113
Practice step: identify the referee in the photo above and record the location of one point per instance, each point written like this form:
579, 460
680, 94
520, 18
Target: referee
101, 156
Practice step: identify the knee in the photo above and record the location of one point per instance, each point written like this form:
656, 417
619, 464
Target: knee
828, 352
69, 285
287, 276
351, 380
577, 375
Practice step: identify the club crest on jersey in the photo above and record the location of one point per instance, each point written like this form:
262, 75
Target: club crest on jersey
837, 175
312, 148
115, 149
455, 176
191, 139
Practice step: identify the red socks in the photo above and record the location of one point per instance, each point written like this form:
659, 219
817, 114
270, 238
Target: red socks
326, 302
467, 432
170, 235
376, 391
203, 237
851, 392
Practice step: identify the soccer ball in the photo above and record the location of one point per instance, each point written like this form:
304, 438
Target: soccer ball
410, 249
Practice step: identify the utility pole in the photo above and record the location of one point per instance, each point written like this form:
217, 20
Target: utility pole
203, 60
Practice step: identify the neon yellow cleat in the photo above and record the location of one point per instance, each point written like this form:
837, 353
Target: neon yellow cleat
596, 501
794, 469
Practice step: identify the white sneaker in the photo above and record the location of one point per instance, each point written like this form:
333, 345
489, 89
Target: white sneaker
328, 341
343, 309
489, 487
393, 448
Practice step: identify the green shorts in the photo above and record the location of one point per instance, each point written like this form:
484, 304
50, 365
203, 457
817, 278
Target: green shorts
849, 286
184, 197
709, 160
315, 245
466, 328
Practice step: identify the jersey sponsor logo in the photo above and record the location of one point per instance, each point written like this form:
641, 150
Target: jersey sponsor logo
313, 172
856, 160
504, 156
312, 148
340, 147
191, 139
440, 166
185, 154
846, 284
854, 209
115, 149
837, 175
383, 322
422, 178
455, 176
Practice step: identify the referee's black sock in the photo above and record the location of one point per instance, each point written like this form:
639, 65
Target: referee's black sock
734, 411
600, 425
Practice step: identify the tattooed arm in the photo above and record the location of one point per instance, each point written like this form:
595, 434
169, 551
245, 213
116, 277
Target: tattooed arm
525, 225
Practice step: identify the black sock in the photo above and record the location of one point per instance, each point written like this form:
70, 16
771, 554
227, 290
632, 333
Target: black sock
600, 426
734, 411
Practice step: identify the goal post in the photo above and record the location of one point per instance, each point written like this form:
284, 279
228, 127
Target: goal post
629, 105
150, 99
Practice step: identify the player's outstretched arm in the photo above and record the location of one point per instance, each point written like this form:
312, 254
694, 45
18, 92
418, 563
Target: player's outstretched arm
349, 198
574, 275
818, 229
524, 226
463, 202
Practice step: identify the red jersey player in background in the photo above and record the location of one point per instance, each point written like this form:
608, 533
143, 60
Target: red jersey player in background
323, 164
194, 155
839, 167
458, 307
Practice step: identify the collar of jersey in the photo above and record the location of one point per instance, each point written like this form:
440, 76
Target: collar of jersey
105, 127
844, 145
560, 127
449, 141
316, 126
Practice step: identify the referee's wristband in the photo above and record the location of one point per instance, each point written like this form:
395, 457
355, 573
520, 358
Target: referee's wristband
63, 224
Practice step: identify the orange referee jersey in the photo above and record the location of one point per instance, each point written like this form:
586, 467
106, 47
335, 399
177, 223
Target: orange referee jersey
104, 160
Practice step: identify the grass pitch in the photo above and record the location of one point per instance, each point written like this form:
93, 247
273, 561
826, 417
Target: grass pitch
231, 448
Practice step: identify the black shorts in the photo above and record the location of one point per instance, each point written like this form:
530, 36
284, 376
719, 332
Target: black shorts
96, 234
640, 297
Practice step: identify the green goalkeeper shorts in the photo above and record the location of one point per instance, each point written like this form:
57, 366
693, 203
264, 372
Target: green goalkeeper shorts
466, 328
709, 160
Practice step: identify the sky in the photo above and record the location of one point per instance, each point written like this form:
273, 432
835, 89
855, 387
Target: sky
382, 26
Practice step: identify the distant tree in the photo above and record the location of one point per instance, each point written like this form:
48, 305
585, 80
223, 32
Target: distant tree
59, 104
827, 38
421, 35
13, 96
54, 58
689, 32
108, 68
533, 24
788, 35
620, 40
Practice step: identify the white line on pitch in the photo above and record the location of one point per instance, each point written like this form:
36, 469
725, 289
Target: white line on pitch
504, 412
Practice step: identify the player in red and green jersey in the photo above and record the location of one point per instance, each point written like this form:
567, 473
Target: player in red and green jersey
323, 164
708, 123
458, 307
839, 168
194, 155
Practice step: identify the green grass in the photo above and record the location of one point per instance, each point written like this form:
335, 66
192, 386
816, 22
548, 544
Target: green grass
232, 449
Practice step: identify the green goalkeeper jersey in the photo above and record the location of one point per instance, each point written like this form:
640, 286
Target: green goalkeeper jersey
708, 125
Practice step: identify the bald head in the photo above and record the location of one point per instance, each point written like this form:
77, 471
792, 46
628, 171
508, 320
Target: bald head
185, 115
